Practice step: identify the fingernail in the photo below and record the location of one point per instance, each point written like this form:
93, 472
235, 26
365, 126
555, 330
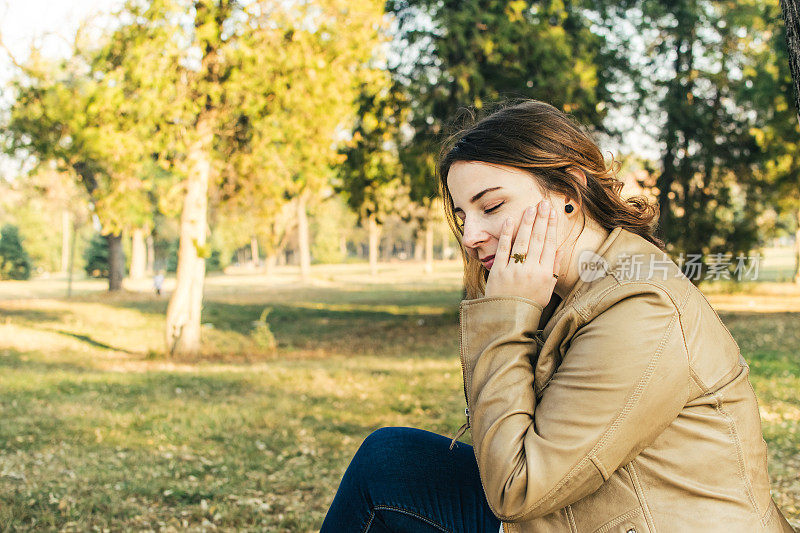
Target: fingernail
507, 224
530, 210
545, 205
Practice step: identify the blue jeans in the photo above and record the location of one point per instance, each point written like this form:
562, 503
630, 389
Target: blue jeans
405, 480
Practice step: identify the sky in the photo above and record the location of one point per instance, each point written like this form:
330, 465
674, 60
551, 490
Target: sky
49, 24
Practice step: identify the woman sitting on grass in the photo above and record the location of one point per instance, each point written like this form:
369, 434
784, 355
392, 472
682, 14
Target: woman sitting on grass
603, 392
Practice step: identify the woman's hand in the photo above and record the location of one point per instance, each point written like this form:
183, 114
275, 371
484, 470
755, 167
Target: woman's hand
532, 278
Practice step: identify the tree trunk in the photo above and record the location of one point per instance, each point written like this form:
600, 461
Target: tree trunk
303, 238
668, 160
116, 261
151, 254
791, 19
138, 254
66, 227
429, 247
254, 250
185, 304
387, 249
419, 247
269, 263
71, 266
374, 243
797, 249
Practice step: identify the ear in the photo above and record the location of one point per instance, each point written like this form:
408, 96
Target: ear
581, 177
578, 173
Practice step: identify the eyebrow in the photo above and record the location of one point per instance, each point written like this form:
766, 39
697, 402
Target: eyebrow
478, 196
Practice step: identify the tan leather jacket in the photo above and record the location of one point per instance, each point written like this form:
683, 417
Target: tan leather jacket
626, 408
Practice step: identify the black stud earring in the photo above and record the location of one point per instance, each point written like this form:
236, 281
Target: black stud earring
568, 208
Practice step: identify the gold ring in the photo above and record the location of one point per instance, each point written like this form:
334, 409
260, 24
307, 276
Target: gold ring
519, 258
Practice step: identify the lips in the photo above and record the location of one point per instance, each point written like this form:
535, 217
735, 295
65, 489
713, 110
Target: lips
488, 261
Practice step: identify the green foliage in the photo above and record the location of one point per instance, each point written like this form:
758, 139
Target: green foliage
214, 261
370, 175
172, 256
475, 52
41, 228
95, 257
328, 225
43, 237
14, 260
768, 86
698, 84
86, 124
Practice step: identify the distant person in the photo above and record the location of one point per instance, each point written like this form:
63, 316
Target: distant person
603, 392
158, 282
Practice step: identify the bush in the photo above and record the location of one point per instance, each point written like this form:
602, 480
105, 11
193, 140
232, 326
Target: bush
262, 334
14, 260
96, 257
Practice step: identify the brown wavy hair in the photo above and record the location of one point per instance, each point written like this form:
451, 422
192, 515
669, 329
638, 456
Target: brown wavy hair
536, 137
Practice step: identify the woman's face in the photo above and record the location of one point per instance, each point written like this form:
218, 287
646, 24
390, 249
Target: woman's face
484, 195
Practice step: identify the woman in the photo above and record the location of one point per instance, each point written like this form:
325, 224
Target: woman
603, 392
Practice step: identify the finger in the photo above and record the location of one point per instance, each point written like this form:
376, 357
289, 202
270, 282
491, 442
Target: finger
504, 244
520, 245
559, 260
549, 252
539, 231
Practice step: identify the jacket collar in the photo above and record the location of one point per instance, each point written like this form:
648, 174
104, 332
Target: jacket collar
619, 243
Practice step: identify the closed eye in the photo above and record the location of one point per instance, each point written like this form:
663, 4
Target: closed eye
493, 208
460, 221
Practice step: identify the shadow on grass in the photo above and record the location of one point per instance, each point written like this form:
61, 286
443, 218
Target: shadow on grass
21, 361
76, 380
336, 321
30, 315
92, 342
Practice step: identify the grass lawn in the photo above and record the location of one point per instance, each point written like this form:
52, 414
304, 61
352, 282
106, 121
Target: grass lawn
101, 432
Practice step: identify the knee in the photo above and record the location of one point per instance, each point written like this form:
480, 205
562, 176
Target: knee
389, 437
385, 444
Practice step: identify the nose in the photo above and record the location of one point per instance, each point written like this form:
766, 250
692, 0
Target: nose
474, 234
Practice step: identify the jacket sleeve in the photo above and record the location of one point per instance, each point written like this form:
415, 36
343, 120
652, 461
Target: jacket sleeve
623, 380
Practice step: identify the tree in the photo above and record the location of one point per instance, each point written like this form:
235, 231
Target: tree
14, 260
690, 94
45, 205
370, 177
223, 93
96, 257
80, 115
325, 53
467, 54
791, 18
770, 82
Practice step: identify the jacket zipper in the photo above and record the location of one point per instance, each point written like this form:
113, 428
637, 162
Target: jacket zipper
466, 425
461, 430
